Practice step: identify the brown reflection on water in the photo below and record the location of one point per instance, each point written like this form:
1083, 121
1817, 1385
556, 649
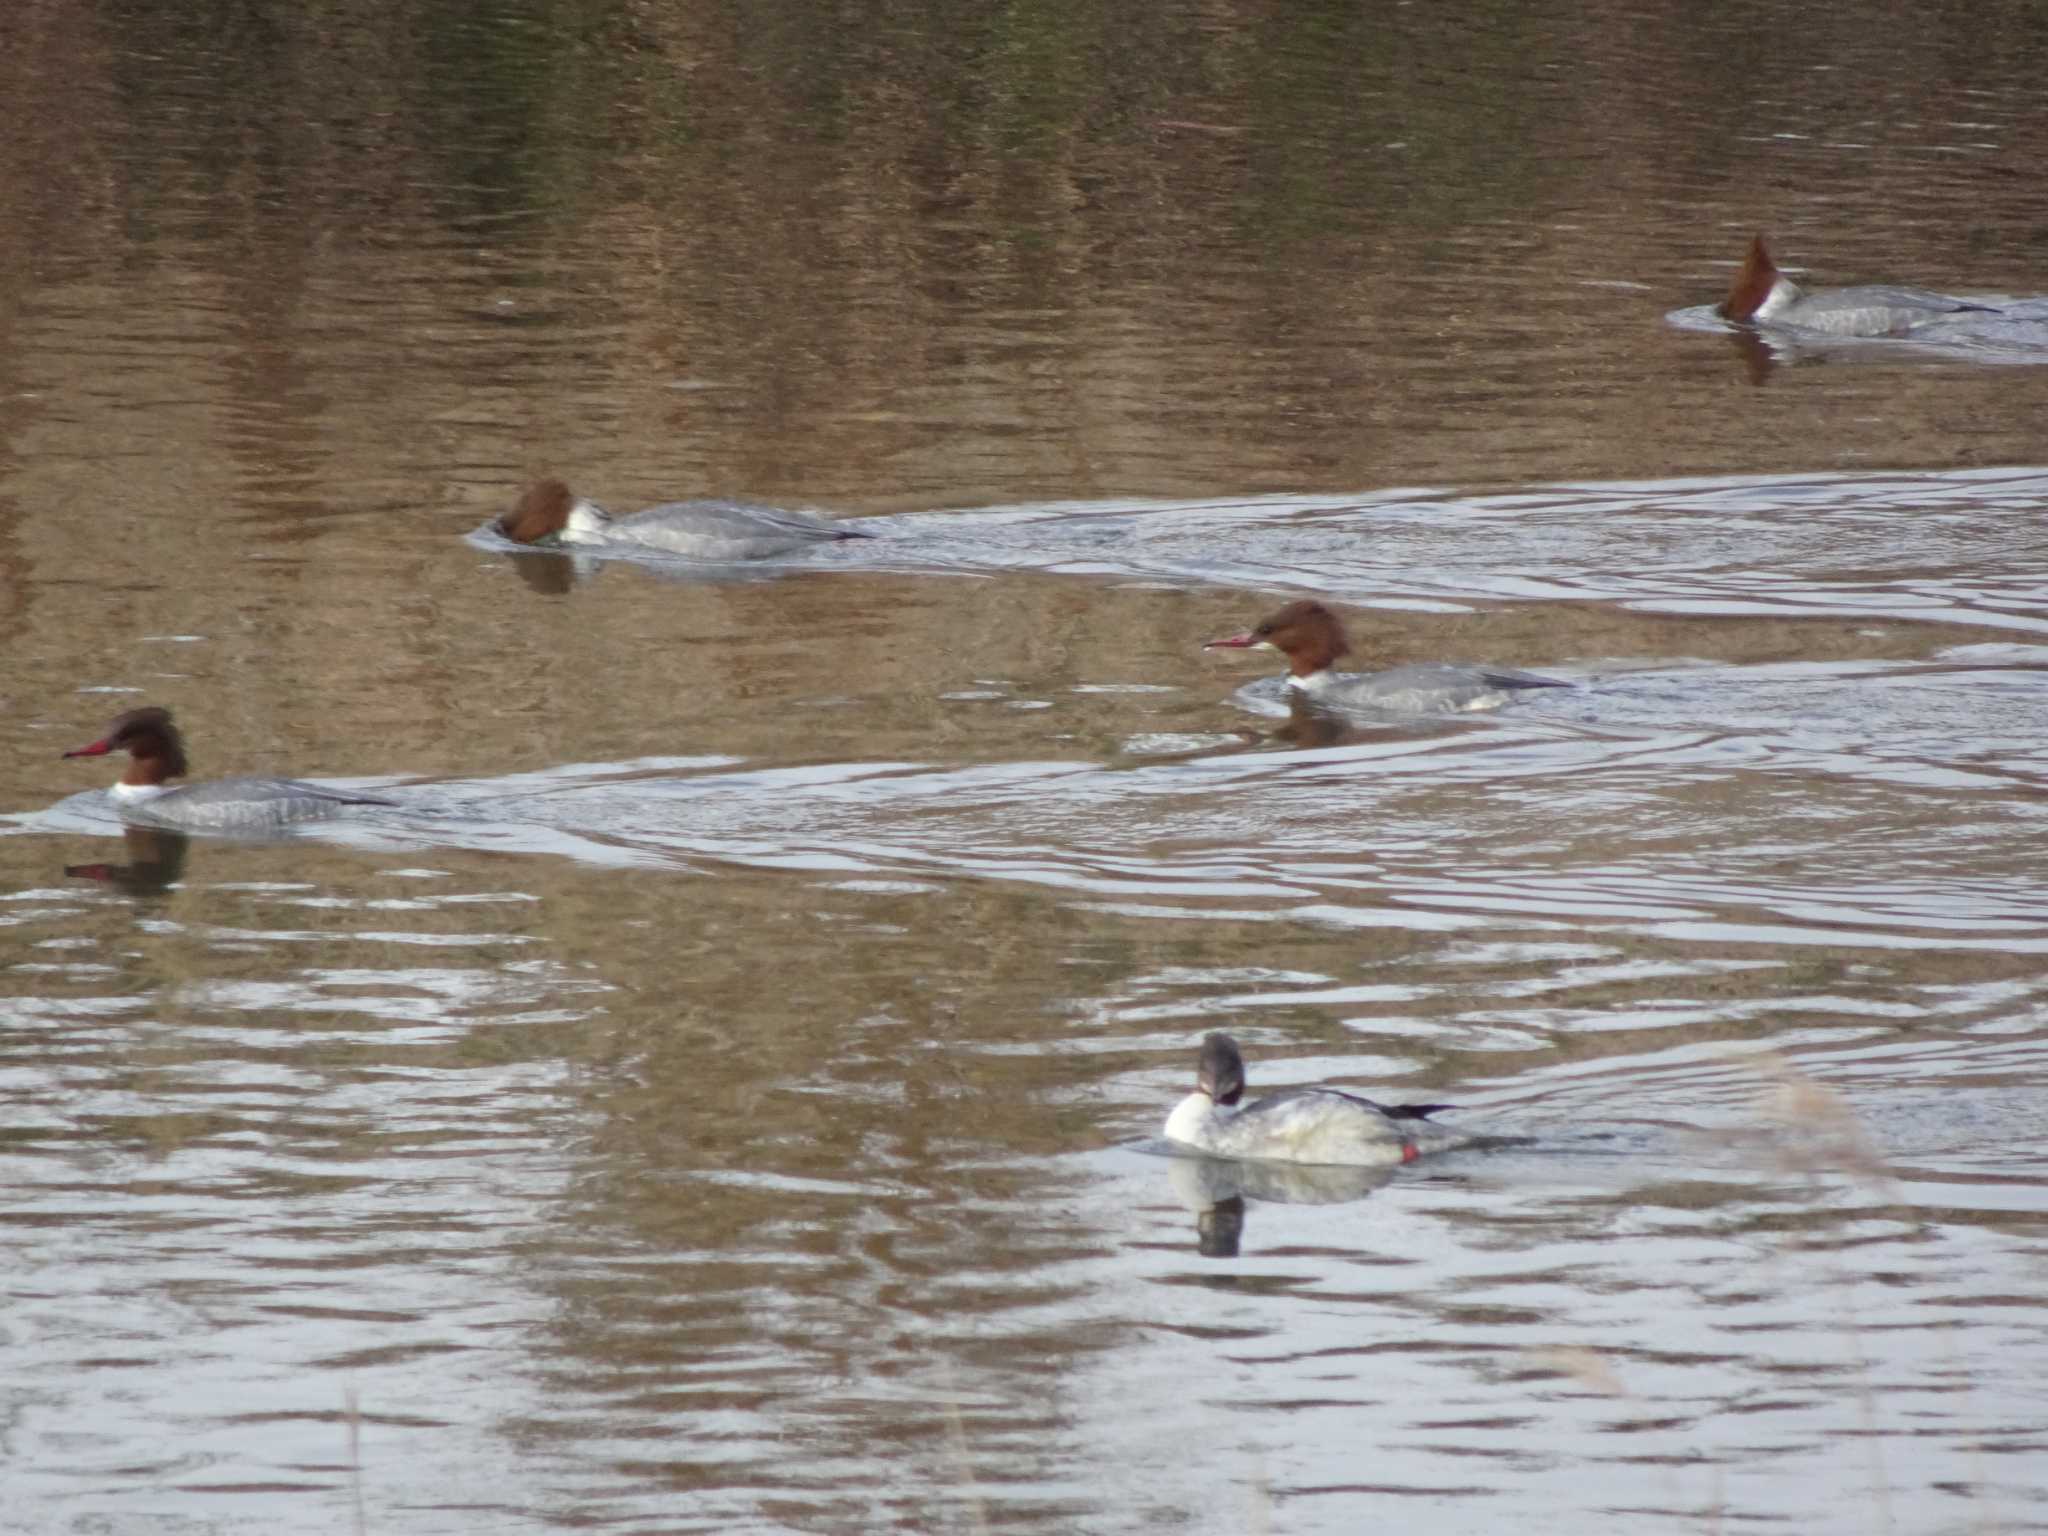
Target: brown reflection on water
977, 257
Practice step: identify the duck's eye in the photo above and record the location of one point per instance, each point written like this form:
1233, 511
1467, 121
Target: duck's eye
1263, 630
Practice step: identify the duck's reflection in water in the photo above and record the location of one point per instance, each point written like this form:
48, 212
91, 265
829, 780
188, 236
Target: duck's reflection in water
554, 573
1216, 1190
549, 574
156, 862
1306, 725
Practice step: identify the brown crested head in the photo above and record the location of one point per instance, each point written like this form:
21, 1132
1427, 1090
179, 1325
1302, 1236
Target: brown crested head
155, 748
542, 512
1220, 1072
1752, 285
1308, 634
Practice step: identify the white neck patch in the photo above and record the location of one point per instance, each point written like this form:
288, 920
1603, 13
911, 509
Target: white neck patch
1194, 1119
587, 523
1783, 295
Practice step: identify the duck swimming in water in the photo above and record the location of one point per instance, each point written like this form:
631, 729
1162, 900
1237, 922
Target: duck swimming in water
1764, 296
553, 516
1297, 1125
1312, 639
156, 755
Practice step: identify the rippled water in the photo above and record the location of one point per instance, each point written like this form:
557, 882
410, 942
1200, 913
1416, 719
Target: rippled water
760, 1138
722, 1094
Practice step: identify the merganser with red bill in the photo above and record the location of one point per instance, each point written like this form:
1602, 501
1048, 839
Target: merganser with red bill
1763, 295
1297, 1125
552, 516
1312, 639
156, 755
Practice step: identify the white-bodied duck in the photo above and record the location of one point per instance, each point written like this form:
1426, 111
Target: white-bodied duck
1297, 1125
